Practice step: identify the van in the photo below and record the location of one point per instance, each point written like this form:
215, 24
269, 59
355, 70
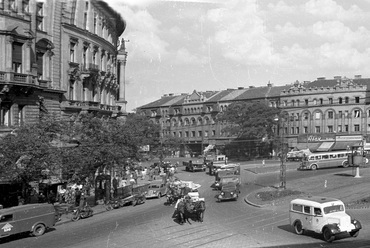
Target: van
33, 218
323, 215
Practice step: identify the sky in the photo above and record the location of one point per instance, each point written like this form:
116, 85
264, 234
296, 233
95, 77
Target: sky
178, 46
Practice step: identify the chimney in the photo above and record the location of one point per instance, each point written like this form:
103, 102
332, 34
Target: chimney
358, 76
251, 87
240, 88
269, 84
171, 94
337, 77
321, 78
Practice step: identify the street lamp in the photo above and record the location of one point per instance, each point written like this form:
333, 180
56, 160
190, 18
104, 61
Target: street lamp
282, 155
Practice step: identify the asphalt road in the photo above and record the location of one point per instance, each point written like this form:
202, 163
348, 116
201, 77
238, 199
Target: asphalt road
226, 224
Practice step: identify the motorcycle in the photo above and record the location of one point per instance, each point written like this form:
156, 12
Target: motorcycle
82, 213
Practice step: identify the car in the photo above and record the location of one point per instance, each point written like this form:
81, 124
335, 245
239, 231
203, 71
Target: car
323, 215
229, 191
33, 218
156, 189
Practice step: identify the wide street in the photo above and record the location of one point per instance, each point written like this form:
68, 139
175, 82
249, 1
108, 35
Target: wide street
226, 224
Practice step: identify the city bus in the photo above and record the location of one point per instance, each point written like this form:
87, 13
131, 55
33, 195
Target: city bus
318, 160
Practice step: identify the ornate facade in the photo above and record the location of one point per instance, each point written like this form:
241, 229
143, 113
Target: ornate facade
59, 57
326, 114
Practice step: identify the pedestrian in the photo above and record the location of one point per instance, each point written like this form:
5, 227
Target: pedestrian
143, 173
51, 197
77, 197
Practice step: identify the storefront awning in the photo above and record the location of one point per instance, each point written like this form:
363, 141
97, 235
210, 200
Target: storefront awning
345, 145
311, 146
325, 146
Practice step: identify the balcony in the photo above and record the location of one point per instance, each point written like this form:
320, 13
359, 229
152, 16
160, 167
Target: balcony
22, 79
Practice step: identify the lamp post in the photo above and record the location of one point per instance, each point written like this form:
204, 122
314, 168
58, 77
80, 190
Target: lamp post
282, 155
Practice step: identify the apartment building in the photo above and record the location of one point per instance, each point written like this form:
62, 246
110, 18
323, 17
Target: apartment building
325, 114
59, 57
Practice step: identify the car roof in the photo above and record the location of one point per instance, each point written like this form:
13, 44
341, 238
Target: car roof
315, 200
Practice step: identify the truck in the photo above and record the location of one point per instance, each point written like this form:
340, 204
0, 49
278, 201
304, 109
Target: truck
194, 165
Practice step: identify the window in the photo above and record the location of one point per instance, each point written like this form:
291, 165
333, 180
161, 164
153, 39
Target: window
340, 100
292, 130
39, 16
205, 133
17, 57
340, 129
306, 116
317, 129
357, 99
71, 91
297, 207
346, 128
330, 129
180, 134
186, 134
40, 65
317, 115
346, 113
330, 115
314, 102
84, 58
346, 100
21, 114
174, 134
94, 57
330, 100
298, 102
297, 130
12, 5
5, 113
317, 211
95, 23
192, 133
356, 114
305, 129
85, 21
321, 101
25, 6
306, 102
340, 114
200, 134
306, 209
213, 132
72, 52
357, 128
6, 218
293, 103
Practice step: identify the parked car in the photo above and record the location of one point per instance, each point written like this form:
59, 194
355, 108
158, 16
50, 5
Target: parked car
322, 215
229, 191
156, 189
33, 218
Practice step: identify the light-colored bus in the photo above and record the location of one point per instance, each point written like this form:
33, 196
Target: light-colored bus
324, 160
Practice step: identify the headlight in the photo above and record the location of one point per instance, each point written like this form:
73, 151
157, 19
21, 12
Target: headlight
231, 193
222, 193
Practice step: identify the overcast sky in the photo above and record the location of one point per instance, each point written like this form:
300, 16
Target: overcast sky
181, 46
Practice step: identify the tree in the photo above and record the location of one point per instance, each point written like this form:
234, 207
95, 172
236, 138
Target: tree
251, 123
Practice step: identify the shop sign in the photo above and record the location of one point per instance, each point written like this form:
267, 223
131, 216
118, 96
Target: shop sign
315, 138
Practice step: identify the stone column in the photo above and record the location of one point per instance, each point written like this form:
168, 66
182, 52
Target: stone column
9, 55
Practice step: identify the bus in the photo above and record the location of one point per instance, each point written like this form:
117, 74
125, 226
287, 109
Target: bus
318, 160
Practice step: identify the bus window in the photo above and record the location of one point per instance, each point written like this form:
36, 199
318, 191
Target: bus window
333, 155
318, 157
311, 158
325, 156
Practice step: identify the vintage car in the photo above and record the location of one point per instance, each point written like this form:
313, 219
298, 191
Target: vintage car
229, 191
322, 215
194, 165
156, 189
32, 218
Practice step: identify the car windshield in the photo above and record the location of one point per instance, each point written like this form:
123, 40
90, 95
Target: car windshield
228, 180
154, 186
333, 209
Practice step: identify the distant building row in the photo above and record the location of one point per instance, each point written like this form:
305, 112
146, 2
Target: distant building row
59, 57
326, 114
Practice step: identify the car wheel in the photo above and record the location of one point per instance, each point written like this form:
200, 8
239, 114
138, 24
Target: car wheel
354, 233
328, 236
38, 230
313, 167
345, 164
298, 228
